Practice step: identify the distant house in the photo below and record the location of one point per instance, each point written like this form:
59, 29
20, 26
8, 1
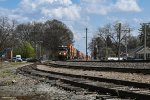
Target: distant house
6, 54
138, 53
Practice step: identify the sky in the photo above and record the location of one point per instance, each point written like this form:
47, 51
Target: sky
79, 14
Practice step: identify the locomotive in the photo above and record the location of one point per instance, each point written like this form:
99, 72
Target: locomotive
69, 52
63, 53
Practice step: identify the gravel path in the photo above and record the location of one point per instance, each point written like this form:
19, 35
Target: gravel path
112, 75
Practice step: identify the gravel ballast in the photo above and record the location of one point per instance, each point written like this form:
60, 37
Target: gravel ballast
137, 65
14, 86
110, 75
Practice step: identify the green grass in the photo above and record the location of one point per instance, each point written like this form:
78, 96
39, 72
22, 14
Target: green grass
17, 63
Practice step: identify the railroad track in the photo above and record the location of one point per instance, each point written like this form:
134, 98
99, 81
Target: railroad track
99, 68
110, 89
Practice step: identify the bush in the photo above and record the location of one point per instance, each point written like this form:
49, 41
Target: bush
25, 50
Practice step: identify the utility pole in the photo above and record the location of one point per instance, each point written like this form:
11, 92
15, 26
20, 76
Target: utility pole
126, 44
36, 50
144, 31
119, 36
145, 38
145, 41
106, 51
120, 39
86, 46
40, 48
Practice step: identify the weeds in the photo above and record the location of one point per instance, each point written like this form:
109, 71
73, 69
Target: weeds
5, 73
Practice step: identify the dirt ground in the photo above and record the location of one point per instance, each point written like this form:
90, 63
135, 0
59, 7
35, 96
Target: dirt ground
14, 86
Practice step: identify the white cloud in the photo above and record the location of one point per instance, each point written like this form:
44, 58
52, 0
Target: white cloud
60, 2
128, 5
51, 9
32, 4
66, 2
11, 14
70, 12
95, 6
104, 7
66, 9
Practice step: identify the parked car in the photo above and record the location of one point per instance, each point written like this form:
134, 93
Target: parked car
18, 58
23, 59
31, 60
15, 59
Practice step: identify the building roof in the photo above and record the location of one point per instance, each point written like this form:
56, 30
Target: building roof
133, 51
142, 50
139, 50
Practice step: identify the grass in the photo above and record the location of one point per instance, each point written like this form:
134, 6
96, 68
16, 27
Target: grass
8, 72
17, 63
5, 73
10, 64
6, 77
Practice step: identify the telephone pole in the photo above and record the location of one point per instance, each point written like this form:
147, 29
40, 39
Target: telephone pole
145, 42
126, 45
86, 46
119, 37
145, 37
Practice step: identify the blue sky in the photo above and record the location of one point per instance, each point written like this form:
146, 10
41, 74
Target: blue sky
79, 14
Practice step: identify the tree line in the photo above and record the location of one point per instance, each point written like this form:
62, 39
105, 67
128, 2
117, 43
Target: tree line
33, 38
107, 41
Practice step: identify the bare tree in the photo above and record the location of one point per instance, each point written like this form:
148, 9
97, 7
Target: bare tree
112, 36
7, 32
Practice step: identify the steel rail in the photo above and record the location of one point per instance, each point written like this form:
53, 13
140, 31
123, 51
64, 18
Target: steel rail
104, 87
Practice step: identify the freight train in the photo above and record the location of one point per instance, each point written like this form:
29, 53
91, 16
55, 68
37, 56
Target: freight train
69, 52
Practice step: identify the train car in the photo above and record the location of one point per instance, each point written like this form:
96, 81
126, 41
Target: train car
69, 52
